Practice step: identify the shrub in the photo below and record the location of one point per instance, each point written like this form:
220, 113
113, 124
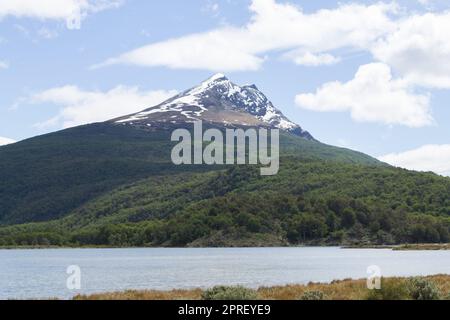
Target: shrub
390, 290
229, 293
423, 289
313, 295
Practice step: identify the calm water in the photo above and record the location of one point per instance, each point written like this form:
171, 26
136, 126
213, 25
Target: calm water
42, 273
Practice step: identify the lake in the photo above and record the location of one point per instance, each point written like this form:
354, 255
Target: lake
42, 273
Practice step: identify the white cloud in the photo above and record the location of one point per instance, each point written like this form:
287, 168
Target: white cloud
5, 141
419, 49
211, 51
82, 107
71, 11
416, 46
273, 26
371, 96
312, 60
435, 158
4, 65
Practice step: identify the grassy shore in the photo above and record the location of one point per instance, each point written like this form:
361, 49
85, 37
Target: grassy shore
442, 246
392, 289
401, 247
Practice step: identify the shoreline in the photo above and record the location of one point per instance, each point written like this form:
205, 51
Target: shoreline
399, 247
404, 247
393, 288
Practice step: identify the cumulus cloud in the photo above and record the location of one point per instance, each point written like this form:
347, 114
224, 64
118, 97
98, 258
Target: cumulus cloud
5, 141
371, 96
70, 11
435, 158
82, 107
4, 65
211, 51
415, 46
273, 26
419, 49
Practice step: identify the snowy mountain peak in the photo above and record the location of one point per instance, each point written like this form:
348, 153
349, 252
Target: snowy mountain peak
217, 100
217, 76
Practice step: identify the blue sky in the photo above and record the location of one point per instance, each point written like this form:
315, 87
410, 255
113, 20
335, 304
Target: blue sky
369, 75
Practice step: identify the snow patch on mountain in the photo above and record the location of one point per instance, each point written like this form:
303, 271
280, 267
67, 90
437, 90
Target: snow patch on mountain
219, 91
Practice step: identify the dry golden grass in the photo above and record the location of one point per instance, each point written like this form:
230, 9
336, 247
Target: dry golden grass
337, 290
442, 282
145, 295
341, 290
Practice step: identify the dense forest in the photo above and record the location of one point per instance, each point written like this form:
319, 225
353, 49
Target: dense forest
106, 185
308, 202
47, 177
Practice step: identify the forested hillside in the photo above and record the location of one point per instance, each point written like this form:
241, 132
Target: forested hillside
310, 201
46, 177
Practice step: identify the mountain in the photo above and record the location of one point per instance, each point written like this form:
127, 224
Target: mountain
45, 177
216, 101
113, 183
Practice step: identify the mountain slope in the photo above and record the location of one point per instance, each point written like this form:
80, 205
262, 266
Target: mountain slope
308, 202
46, 177
113, 183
